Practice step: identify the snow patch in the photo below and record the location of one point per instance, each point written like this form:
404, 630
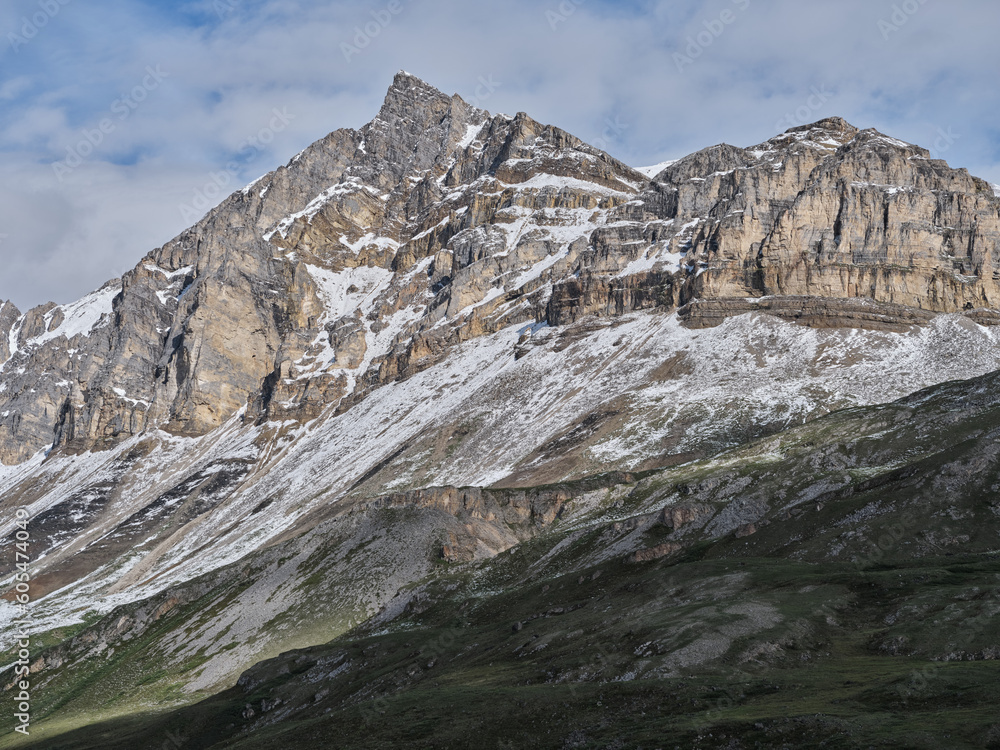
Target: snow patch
82, 317
348, 187
545, 181
364, 241
655, 169
352, 289
671, 263
247, 190
469, 138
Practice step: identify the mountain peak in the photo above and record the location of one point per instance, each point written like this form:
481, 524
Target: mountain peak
833, 124
424, 342
830, 132
405, 75
449, 223
9, 316
407, 91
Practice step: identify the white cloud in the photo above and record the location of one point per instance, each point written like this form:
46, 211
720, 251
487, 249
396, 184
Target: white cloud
606, 72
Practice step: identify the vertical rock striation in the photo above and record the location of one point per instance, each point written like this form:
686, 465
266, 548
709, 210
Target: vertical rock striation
374, 252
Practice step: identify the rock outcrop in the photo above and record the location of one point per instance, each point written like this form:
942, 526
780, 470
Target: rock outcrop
450, 335
375, 252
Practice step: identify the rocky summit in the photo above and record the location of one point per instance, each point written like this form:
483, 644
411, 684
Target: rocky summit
444, 371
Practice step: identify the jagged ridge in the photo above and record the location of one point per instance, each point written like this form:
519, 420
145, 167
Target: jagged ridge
374, 252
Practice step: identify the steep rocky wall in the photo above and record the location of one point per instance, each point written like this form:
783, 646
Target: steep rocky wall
374, 252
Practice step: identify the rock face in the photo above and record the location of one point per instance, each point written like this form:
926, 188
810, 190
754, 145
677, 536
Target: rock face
874, 217
428, 341
9, 317
373, 253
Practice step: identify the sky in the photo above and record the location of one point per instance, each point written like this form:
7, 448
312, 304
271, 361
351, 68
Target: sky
118, 118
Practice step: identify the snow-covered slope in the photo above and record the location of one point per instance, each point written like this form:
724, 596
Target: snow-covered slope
446, 297
526, 405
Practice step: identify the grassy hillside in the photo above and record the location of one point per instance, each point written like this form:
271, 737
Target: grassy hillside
835, 585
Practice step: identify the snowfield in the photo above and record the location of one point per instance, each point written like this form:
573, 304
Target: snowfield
646, 369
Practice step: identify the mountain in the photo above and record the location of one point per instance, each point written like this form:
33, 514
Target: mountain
856, 609
449, 224
432, 362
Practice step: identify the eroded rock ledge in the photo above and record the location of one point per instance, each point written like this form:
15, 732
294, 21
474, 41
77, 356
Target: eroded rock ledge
817, 312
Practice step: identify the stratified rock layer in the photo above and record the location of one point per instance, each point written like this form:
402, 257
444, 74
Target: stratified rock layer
373, 253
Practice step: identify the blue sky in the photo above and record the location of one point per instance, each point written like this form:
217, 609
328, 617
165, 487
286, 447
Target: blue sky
116, 114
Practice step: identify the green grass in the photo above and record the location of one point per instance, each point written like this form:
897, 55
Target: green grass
849, 619
826, 680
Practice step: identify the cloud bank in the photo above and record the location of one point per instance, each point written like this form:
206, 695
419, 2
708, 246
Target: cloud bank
121, 119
